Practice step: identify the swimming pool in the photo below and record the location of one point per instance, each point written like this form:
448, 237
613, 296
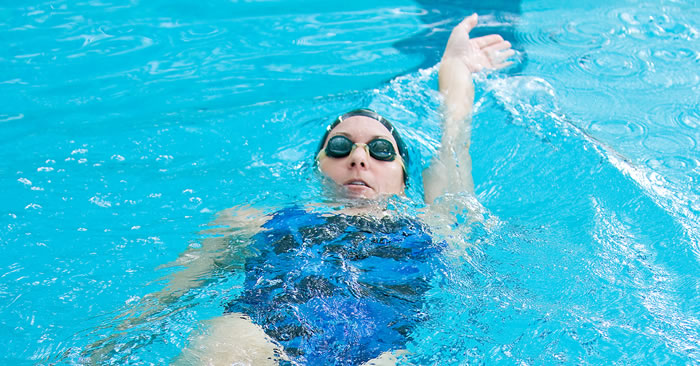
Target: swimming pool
126, 126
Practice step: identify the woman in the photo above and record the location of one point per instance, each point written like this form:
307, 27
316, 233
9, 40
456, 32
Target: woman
319, 288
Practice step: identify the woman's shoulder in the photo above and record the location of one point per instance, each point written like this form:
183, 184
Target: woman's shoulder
242, 219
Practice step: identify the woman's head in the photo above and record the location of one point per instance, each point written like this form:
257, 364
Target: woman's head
364, 155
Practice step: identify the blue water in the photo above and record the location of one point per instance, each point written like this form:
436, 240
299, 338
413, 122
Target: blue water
125, 127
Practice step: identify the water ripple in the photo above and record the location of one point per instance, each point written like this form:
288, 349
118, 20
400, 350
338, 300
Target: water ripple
690, 117
669, 67
610, 64
342, 31
583, 33
675, 115
648, 22
200, 32
669, 143
674, 163
108, 44
618, 128
673, 56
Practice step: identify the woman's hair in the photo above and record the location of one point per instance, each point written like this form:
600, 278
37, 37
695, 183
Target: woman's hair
403, 151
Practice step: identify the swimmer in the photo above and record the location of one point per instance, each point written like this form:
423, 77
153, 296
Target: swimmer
346, 288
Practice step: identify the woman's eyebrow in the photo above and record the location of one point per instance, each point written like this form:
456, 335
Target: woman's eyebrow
386, 137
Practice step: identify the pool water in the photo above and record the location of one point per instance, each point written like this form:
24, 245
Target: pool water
126, 126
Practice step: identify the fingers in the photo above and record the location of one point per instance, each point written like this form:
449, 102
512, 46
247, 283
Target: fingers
497, 57
497, 51
502, 65
499, 46
507, 54
486, 41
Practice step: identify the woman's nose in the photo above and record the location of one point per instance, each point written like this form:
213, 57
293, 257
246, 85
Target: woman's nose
359, 156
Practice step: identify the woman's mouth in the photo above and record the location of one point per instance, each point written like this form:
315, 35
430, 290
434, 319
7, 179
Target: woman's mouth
357, 183
357, 187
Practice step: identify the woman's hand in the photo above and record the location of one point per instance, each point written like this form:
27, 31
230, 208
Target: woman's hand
487, 52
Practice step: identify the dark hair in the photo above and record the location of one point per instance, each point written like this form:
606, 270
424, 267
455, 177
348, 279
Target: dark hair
403, 151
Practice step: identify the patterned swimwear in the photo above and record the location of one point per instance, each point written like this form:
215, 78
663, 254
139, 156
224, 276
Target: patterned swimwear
337, 290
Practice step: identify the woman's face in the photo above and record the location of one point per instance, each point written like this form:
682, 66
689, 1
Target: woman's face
359, 174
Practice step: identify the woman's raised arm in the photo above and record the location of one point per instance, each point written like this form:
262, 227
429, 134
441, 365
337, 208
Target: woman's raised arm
451, 169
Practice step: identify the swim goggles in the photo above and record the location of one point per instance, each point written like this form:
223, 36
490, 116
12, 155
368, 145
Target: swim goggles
340, 146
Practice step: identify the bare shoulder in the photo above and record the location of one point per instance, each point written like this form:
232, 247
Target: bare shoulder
244, 219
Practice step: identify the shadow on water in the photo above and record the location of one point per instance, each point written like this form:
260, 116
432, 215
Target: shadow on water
442, 15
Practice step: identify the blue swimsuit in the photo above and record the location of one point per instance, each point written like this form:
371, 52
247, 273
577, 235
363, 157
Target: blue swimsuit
337, 290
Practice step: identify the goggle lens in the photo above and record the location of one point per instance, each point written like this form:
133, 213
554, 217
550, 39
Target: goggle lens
381, 149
